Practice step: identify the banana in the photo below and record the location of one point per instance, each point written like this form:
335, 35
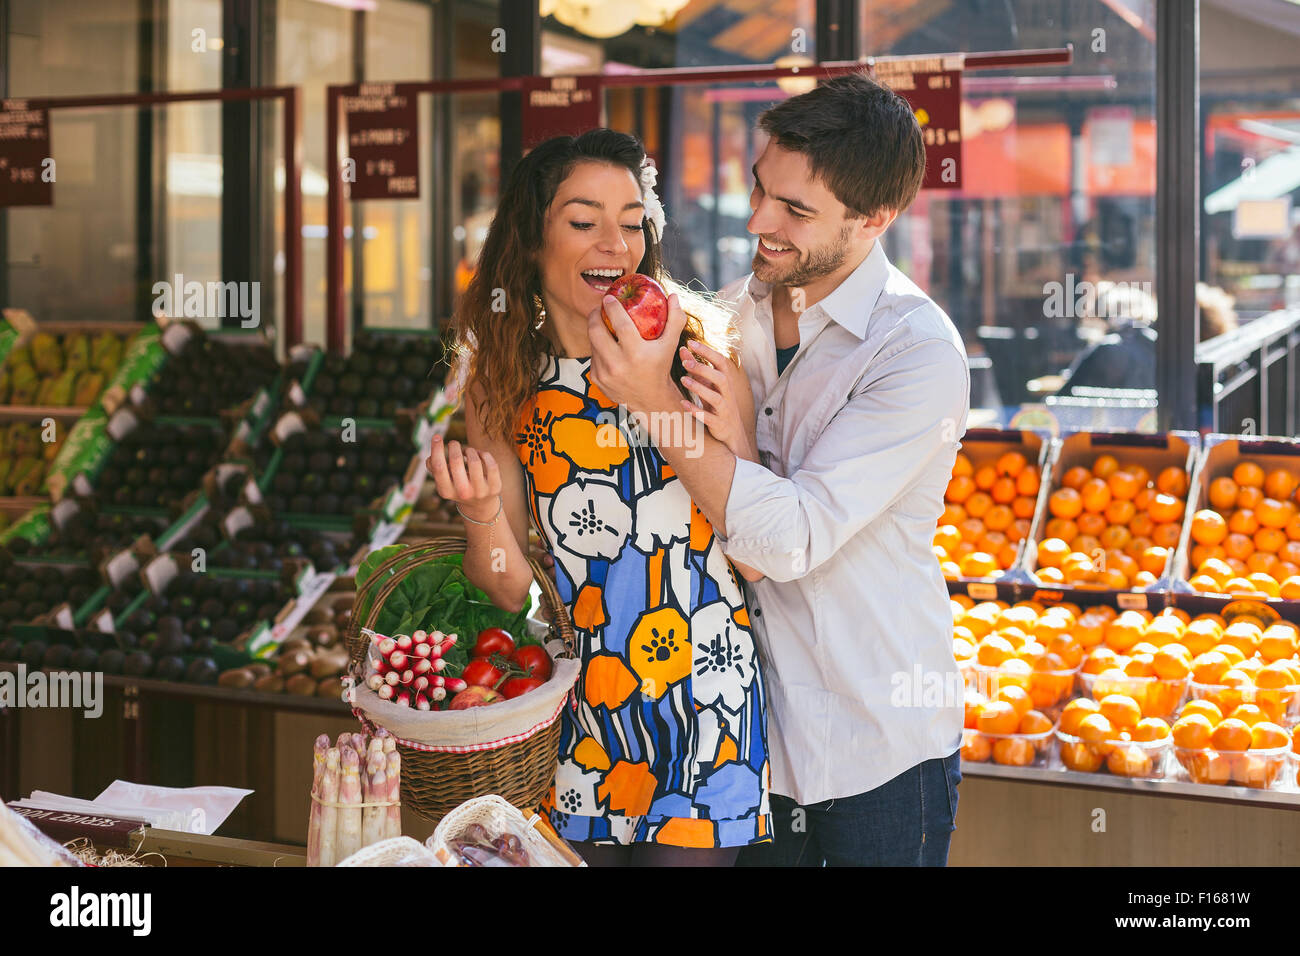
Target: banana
106, 353
20, 355
31, 472
61, 392
23, 440
47, 356
76, 351
6, 466
89, 385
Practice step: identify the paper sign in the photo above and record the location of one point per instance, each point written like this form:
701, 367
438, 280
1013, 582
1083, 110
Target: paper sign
383, 137
932, 87
27, 169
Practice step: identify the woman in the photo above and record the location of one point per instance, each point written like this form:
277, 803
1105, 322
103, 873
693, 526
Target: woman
663, 761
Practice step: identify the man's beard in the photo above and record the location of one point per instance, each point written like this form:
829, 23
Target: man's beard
816, 264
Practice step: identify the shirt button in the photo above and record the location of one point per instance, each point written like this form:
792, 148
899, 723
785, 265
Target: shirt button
768, 410
758, 612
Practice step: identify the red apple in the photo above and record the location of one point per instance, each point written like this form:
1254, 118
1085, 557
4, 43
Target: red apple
474, 696
644, 301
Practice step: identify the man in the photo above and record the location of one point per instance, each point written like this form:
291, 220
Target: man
862, 393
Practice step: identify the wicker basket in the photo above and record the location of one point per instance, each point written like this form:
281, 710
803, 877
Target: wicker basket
544, 846
435, 781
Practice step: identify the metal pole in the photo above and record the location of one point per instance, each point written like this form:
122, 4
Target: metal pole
293, 217
1177, 209
334, 302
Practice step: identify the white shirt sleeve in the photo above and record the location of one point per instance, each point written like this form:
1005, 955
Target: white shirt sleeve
874, 449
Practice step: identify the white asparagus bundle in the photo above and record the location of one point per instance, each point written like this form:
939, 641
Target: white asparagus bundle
349, 820
313, 820
329, 795
374, 820
393, 777
359, 745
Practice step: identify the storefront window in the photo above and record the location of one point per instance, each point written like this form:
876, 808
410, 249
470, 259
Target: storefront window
1250, 171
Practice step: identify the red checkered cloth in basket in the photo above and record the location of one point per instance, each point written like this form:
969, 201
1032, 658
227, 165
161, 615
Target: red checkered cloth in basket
467, 748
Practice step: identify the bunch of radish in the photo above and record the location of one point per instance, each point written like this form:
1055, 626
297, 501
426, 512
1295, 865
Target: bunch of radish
408, 669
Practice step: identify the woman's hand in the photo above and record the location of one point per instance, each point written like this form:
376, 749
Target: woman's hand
470, 478
727, 403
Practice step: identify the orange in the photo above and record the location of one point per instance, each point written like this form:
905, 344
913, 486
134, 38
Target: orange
1013, 752
1027, 482
1141, 474
1088, 630
1165, 508
1153, 559
1129, 762
1120, 512
1075, 477
985, 477
1007, 555
1144, 498
1166, 535
1193, 732
1011, 464
1231, 736
1142, 524
1223, 493
1293, 528
1270, 539
1261, 562
959, 489
1173, 481
1264, 584
1140, 665
1290, 552
1024, 507
1248, 714
1290, 588
1099, 660
1096, 729
1171, 665
1075, 711
1086, 544
1068, 649
972, 529
1295, 739
1249, 498
1105, 466
1164, 630
1267, 735
1210, 767
1063, 528
1114, 537
1018, 698
1218, 569
975, 748
963, 465
1243, 521
950, 570
1239, 546
1234, 686
1021, 528
1123, 485
1249, 474
947, 537
1206, 707
1080, 757
1004, 490
1065, 503
978, 504
1280, 484
1151, 728
1272, 513
1277, 643
1115, 579
1210, 667
1242, 635
953, 514
1034, 722
1232, 652
978, 564
1121, 710
1274, 676
1207, 552
994, 650
1125, 631
1095, 495
1054, 576
999, 518
1052, 552
1208, 527
1091, 524
974, 703
999, 717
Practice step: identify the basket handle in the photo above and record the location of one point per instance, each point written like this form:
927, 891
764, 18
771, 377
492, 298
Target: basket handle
383, 584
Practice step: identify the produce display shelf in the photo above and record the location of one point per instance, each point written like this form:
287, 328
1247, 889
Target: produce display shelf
212, 692
1057, 775
35, 413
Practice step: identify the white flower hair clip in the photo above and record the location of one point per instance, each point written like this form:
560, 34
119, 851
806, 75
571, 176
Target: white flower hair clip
654, 209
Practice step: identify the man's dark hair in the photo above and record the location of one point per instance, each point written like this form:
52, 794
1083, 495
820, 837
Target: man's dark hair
861, 139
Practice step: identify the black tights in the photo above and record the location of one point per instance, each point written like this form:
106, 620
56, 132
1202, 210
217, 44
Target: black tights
655, 854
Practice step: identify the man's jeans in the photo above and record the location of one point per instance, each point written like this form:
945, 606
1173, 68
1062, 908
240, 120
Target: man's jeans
905, 822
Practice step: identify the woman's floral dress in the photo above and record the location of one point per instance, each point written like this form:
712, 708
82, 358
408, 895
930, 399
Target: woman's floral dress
667, 741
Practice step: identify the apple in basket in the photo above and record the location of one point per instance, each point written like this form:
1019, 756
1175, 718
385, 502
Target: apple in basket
474, 695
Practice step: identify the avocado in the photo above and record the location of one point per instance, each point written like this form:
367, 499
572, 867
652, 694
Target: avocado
83, 659
202, 670
169, 667
33, 653
112, 661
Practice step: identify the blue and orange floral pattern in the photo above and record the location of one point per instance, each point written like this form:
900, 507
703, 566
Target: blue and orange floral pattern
667, 741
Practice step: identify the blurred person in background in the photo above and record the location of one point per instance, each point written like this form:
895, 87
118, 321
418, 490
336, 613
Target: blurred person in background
1125, 357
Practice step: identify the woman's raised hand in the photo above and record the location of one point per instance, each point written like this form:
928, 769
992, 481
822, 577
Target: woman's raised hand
712, 379
467, 477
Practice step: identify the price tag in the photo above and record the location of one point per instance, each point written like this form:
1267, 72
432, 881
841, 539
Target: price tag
138, 394
1131, 601
63, 512
81, 485
262, 403
982, 591
302, 352
120, 567
423, 434
290, 423
122, 424
1048, 596
395, 505
159, 572
175, 336
296, 395
252, 493
260, 643
104, 621
63, 618
236, 521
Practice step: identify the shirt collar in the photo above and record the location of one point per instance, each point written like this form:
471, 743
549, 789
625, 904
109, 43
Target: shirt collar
853, 300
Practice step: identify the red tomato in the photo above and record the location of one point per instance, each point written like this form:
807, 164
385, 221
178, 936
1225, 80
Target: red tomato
533, 661
492, 640
481, 672
519, 685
